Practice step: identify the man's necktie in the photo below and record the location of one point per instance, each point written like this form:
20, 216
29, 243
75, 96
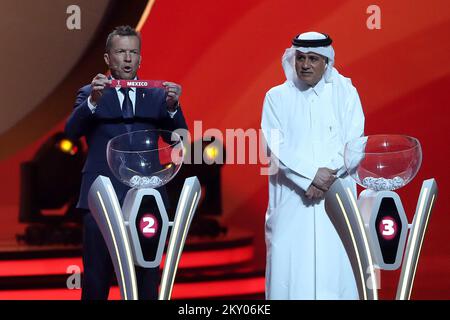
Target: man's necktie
127, 108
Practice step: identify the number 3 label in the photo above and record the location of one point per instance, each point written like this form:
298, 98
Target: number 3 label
388, 228
148, 225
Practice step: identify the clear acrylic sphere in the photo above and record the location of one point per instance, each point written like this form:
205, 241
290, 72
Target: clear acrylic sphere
145, 159
383, 162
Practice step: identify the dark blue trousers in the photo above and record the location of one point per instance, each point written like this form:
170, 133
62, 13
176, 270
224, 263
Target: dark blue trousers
99, 271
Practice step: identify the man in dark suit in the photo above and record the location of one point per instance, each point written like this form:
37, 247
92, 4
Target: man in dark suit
101, 113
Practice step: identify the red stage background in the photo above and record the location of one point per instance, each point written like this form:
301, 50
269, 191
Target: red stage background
227, 54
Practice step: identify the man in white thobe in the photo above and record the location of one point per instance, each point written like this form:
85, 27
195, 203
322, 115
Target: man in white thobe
306, 122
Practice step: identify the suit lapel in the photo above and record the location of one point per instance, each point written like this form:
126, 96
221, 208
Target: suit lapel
139, 108
111, 110
111, 101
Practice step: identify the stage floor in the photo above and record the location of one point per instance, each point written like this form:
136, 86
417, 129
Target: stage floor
219, 267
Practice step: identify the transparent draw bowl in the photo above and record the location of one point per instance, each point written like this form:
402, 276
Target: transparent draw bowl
145, 159
383, 162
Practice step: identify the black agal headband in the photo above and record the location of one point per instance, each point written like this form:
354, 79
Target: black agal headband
312, 43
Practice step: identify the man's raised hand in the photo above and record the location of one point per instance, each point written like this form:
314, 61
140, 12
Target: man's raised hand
98, 84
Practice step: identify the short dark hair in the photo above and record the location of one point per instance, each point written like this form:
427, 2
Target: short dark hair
124, 31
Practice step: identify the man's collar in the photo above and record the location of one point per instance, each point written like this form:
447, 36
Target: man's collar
318, 88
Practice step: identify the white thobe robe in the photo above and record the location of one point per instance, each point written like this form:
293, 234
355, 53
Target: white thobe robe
305, 256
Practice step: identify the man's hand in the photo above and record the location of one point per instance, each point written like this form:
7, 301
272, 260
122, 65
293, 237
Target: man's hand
324, 178
97, 85
173, 92
314, 193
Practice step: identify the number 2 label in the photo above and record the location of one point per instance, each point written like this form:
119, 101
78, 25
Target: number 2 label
148, 225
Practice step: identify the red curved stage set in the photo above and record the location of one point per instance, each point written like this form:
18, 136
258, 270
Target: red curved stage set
226, 55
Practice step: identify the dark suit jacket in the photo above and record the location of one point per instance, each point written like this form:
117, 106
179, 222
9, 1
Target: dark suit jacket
107, 122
